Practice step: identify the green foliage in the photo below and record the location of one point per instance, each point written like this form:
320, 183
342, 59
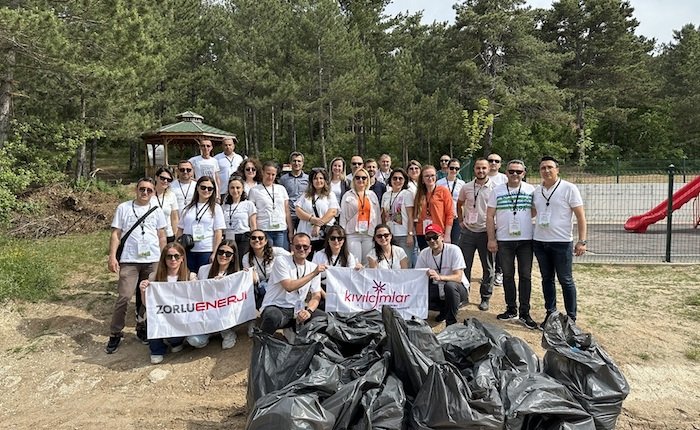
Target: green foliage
475, 126
25, 272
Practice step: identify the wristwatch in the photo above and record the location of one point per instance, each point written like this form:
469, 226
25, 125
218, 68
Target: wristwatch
583, 242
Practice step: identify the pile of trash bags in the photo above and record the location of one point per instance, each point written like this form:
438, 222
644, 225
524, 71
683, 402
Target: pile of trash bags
373, 370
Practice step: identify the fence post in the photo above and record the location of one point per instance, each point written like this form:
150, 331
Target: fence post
617, 170
669, 212
685, 157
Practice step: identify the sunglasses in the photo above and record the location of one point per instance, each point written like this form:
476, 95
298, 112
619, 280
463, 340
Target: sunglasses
302, 247
336, 238
491, 160
397, 178
360, 178
357, 164
205, 188
222, 253
431, 237
146, 190
184, 170
257, 238
516, 172
174, 257
446, 160
454, 168
382, 236
165, 179
250, 169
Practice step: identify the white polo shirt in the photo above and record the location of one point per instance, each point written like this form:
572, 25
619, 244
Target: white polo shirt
286, 268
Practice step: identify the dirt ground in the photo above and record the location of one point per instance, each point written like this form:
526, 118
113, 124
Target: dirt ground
55, 374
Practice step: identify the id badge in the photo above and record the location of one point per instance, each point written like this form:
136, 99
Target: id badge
543, 219
198, 233
514, 227
398, 219
472, 217
142, 249
275, 220
235, 225
426, 223
362, 226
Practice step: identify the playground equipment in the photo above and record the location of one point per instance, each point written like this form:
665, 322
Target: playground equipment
689, 191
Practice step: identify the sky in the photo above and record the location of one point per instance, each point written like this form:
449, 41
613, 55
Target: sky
657, 18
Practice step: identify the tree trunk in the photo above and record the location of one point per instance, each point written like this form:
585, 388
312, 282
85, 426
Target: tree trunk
80, 151
255, 134
488, 141
93, 155
6, 84
245, 130
294, 133
581, 132
272, 131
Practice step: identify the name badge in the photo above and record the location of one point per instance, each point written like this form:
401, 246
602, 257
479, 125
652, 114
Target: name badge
472, 217
362, 226
514, 227
426, 223
543, 219
198, 233
275, 220
143, 249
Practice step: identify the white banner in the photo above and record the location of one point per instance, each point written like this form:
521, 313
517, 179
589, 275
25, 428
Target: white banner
350, 290
176, 309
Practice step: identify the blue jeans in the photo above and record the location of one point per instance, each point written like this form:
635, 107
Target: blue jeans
158, 346
509, 251
278, 238
557, 257
195, 260
471, 242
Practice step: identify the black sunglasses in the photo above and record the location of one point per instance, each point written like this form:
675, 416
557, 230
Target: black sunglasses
516, 172
145, 190
446, 160
222, 253
205, 188
431, 237
360, 178
172, 256
357, 164
165, 179
491, 160
456, 168
382, 236
302, 247
183, 170
336, 238
257, 238
397, 178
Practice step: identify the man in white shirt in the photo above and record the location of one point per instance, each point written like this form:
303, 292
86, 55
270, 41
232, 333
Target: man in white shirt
228, 162
292, 279
355, 163
509, 229
496, 178
448, 287
555, 201
184, 186
206, 165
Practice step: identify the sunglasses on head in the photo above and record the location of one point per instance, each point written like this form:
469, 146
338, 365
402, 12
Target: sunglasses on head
145, 190
257, 238
165, 179
491, 160
454, 168
302, 247
205, 188
382, 236
336, 238
516, 172
172, 256
184, 170
431, 237
222, 253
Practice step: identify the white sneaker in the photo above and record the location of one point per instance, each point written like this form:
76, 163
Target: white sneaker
229, 340
156, 359
499, 279
251, 328
178, 348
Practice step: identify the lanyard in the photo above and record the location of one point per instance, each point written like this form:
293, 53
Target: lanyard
231, 212
200, 213
438, 266
333, 263
185, 193
517, 196
160, 203
272, 196
428, 198
137, 217
361, 201
391, 201
262, 267
476, 193
390, 260
454, 185
547, 199
302, 273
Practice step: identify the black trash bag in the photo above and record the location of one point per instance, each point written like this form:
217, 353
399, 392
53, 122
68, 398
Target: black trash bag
421, 335
534, 401
511, 353
409, 363
485, 389
275, 363
383, 407
444, 402
463, 345
585, 368
496, 334
353, 332
355, 367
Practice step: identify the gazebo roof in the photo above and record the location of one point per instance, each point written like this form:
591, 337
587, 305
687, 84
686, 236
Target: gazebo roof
190, 124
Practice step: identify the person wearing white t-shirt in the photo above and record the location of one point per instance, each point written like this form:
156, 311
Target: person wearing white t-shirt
317, 208
228, 161
495, 176
555, 201
454, 184
397, 211
139, 257
206, 165
272, 202
386, 255
167, 201
240, 214
334, 253
448, 287
292, 280
509, 229
184, 186
260, 259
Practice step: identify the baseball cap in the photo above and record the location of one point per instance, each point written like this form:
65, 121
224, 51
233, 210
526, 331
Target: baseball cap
434, 228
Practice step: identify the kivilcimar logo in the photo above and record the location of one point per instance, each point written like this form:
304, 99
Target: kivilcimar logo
379, 295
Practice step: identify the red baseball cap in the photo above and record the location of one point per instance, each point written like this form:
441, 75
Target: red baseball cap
434, 228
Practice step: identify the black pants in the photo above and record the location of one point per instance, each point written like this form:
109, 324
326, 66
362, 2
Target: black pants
455, 294
274, 317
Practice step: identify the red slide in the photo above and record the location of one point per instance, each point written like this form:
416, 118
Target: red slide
639, 223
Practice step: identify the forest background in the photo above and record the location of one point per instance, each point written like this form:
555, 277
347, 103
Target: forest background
339, 77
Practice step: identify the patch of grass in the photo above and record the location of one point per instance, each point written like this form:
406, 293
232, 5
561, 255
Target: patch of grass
693, 353
692, 304
644, 356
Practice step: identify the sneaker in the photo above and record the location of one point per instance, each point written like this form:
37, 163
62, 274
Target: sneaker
499, 279
528, 322
156, 359
113, 344
142, 334
544, 321
176, 348
507, 315
441, 317
229, 340
484, 305
251, 328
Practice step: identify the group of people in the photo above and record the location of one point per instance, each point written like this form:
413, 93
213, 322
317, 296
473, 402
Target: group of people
224, 213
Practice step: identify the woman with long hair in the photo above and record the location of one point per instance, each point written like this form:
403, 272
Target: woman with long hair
204, 220
334, 253
172, 267
359, 214
240, 214
251, 172
397, 210
385, 254
413, 170
317, 208
224, 264
338, 181
432, 205
272, 201
167, 201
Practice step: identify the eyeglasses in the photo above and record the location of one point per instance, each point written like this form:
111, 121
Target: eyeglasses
445, 160
357, 164
336, 238
250, 169
146, 190
397, 178
360, 178
431, 237
302, 247
165, 179
414, 168
184, 170
428, 176
382, 236
516, 172
174, 257
454, 168
257, 238
494, 161
222, 253
205, 188
205, 146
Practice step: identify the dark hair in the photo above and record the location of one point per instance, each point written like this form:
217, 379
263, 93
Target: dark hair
184, 162
454, 160
377, 248
244, 195
550, 158
268, 256
310, 190
403, 173
146, 179
183, 274
301, 234
344, 254
518, 161
258, 168
195, 197
233, 266
165, 169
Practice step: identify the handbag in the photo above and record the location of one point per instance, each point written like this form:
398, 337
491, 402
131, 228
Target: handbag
323, 230
186, 240
122, 240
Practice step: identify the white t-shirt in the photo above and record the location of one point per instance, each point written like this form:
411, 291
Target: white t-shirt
323, 204
337, 189
264, 270
554, 222
320, 257
286, 268
475, 198
506, 200
455, 187
168, 203
183, 193
499, 178
227, 166
142, 245
383, 177
237, 217
396, 205
203, 272
270, 204
205, 167
449, 260
201, 224
397, 254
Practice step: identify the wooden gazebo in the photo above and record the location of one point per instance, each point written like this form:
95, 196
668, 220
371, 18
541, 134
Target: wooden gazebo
174, 142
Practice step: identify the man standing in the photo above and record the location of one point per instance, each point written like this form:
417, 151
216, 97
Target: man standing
139, 256
555, 200
444, 166
378, 187
184, 186
355, 163
228, 162
509, 229
495, 176
295, 182
206, 165
293, 277
384, 172
448, 287
471, 205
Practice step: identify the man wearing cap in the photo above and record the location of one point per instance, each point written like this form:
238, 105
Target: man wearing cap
228, 162
448, 287
555, 201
